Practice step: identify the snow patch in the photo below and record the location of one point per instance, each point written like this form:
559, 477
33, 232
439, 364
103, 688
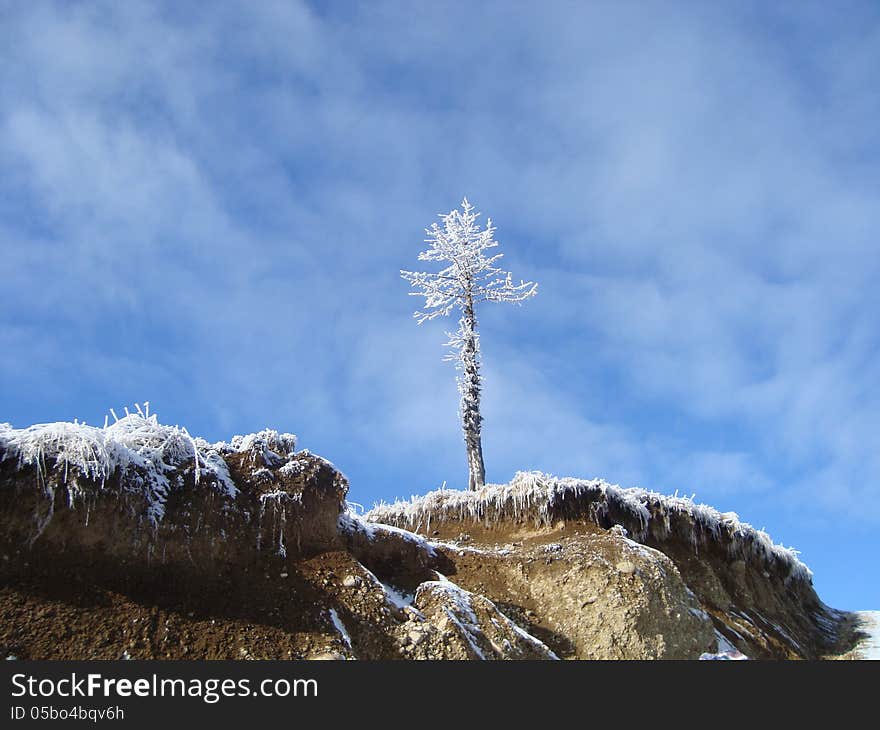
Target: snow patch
340, 627
870, 624
724, 646
460, 549
724, 656
397, 598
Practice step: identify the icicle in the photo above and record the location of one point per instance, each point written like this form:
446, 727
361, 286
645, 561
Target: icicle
195, 453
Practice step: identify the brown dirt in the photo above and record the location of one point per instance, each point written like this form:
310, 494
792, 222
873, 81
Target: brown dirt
53, 610
211, 582
753, 609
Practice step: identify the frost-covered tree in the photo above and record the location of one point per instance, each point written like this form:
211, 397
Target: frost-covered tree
471, 277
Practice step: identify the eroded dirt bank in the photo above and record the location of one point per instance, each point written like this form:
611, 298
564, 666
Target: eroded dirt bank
138, 541
757, 596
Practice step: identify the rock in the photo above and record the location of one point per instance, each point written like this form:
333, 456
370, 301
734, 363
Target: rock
626, 567
351, 581
478, 629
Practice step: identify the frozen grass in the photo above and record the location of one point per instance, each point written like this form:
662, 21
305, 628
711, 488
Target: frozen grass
543, 499
147, 457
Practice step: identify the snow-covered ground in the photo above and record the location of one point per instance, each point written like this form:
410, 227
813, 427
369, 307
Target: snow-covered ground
870, 647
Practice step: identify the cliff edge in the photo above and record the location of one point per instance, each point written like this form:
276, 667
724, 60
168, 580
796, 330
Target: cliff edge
137, 540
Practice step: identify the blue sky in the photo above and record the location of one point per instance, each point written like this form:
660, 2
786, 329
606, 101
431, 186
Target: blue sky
208, 209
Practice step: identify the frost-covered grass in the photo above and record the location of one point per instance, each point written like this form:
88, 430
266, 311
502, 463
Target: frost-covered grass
147, 457
543, 499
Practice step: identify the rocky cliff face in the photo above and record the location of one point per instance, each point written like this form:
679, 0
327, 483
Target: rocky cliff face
755, 597
139, 541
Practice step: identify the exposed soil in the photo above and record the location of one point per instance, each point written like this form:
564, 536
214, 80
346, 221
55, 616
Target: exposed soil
755, 602
586, 592
50, 609
275, 569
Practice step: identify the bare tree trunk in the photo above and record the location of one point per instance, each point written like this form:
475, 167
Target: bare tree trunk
471, 420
